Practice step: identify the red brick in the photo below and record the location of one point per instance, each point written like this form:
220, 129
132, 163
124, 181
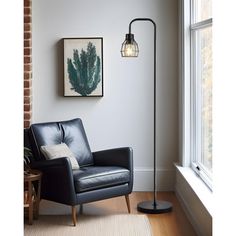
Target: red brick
27, 27
27, 60
27, 84
27, 19
27, 35
27, 51
27, 92
27, 100
27, 10
27, 108
27, 68
27, 75
27, 124
27, 43
27, 3
27, 115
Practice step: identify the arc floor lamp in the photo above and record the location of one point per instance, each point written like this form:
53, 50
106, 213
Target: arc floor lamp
130, 48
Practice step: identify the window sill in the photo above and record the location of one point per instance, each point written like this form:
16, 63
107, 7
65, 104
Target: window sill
204, 194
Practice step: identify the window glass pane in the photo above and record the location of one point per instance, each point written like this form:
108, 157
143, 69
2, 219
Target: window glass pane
202, 10
204, 77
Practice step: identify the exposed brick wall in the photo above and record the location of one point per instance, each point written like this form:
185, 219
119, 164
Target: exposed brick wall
27, 63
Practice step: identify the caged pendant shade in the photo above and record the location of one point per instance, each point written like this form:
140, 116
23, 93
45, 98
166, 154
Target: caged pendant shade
129, 47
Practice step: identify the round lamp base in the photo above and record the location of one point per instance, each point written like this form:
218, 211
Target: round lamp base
149, 207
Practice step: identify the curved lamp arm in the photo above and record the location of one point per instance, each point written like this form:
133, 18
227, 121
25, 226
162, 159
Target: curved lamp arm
143, 19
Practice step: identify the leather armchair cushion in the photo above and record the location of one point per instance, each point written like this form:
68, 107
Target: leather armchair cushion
97, 177
44, 134
70, 132
74, 136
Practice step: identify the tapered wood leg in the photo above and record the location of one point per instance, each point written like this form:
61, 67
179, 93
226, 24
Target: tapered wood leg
74, 215
127, 202
38, 199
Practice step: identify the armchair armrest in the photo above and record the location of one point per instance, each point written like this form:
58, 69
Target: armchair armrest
57, 180
122, 157
57, 162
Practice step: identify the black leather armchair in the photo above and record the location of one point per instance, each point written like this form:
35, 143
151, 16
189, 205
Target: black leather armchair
104, 174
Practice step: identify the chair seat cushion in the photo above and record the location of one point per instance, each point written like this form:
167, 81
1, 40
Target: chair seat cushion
96, 177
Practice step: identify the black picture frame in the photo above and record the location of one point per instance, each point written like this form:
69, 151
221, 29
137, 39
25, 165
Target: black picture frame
83, 67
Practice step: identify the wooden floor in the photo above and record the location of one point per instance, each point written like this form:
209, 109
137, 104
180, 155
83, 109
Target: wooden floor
174, 223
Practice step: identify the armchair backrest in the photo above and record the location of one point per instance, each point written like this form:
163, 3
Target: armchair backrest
70, 132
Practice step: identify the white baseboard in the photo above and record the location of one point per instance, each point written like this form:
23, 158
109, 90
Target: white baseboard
143, 179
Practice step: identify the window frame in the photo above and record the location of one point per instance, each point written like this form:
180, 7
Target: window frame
190, 137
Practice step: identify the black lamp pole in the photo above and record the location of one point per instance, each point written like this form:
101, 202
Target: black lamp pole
130, 49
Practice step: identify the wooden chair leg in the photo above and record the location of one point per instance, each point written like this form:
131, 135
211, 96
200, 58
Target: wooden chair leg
31, 203
127, 202
74, 215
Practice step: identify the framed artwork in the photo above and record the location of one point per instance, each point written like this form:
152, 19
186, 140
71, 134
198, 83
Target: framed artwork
83, 67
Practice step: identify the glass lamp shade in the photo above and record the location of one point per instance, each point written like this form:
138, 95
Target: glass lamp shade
129, 47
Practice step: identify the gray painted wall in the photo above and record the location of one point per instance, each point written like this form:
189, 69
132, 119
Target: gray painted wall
124, 116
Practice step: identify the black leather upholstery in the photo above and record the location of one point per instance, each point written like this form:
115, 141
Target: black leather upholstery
103, 174
44, 134
70, 132
74, 136
95, 177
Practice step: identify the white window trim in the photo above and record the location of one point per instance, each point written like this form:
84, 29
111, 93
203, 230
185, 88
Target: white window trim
186, 94
184, 88
196, 104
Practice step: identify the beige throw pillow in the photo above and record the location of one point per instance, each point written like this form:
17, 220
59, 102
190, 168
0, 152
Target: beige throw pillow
58, 151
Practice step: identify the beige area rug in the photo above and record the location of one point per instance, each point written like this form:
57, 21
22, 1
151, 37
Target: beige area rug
109, 225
